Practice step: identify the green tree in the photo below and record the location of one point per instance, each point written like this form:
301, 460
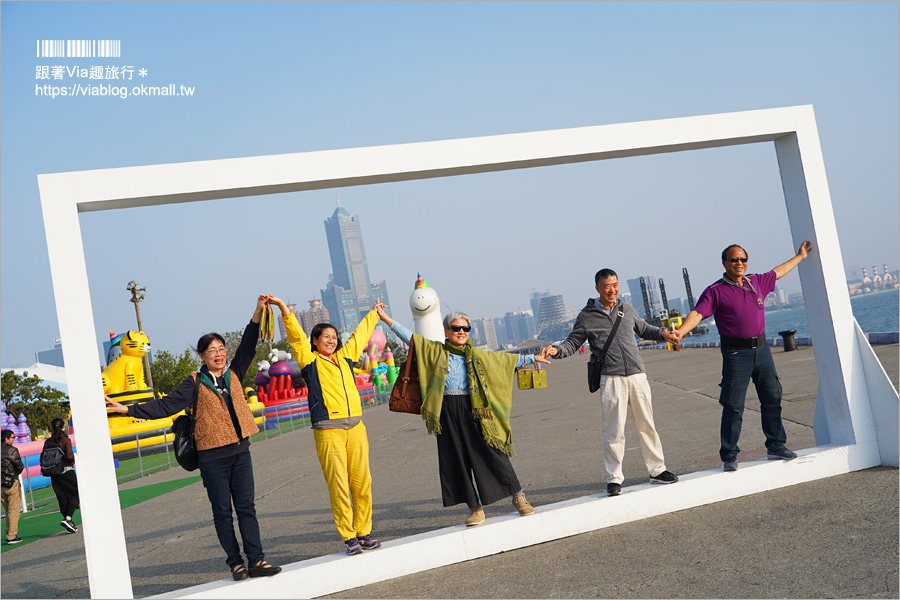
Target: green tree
40, 403
168, 370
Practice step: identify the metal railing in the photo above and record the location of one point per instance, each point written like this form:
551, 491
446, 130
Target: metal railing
146, 459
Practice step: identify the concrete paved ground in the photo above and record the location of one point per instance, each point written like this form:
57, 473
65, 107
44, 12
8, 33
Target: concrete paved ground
831, 538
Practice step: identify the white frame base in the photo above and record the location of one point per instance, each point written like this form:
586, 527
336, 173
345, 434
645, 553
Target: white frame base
330, 574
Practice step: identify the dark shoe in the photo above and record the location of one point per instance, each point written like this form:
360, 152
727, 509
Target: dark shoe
68, 525
367, 542
15, 540
781, 454
239, 573
664, 477
263, 569
731, 464
613, 489
353, 546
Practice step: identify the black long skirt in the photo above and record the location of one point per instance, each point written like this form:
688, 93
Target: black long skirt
463, 454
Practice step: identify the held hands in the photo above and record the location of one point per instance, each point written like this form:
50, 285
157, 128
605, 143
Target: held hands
672, 337
116, 406
270, 299
546, 353
379, 307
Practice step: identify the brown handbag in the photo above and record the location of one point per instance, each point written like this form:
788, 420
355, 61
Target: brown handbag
407, 395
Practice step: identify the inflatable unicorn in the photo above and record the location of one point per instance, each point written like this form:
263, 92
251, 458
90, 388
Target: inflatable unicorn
426, 310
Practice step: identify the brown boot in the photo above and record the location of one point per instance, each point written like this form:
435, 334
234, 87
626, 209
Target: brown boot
476, 517
521, 504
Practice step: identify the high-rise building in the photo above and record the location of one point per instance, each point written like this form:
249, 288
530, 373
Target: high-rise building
782, 296
519, 327
349, 295
552, 311
634, 286
535, 302
316, 314
484, 331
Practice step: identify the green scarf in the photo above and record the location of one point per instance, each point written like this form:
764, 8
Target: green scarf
490, 376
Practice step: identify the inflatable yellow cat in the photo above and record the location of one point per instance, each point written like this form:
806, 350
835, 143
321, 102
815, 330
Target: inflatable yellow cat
123, 378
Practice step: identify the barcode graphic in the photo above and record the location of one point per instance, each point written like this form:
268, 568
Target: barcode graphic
79, 48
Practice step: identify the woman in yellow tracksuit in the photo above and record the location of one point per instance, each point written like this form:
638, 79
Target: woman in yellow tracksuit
335, 410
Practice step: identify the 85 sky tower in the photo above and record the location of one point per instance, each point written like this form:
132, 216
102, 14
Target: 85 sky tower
349, 295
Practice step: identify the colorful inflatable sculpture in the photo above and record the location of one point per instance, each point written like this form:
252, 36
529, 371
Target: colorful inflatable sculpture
124, 382
426, 310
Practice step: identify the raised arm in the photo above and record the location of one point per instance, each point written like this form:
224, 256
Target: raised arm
360, 337
399, 330
788, 266
300, 346
246, 350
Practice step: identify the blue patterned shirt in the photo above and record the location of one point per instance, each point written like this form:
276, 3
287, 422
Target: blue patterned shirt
457, 383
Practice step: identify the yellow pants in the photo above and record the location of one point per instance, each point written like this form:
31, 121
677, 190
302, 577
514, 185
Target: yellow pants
344, 456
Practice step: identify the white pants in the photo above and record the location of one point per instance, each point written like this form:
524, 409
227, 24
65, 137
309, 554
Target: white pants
616, 393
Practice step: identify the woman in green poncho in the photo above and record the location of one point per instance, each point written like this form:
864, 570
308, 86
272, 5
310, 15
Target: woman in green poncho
466, 402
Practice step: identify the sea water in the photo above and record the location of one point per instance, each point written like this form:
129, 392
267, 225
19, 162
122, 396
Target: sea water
873, 312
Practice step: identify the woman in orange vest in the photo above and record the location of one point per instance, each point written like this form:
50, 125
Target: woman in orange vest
222, 430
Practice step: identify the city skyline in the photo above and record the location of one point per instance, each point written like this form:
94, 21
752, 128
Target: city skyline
483, 241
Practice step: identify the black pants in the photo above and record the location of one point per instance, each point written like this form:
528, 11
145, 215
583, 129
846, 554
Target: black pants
463, 454
230, 481
65, 487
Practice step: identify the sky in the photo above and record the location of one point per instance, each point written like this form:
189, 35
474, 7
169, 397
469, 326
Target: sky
286, 77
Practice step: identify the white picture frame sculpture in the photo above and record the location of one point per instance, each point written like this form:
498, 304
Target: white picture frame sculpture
856, 423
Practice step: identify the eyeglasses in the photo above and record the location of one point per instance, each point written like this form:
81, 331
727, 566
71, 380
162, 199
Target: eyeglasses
215, 351
737, 260
458, 328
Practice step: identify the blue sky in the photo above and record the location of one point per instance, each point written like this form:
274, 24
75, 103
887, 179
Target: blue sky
283, 77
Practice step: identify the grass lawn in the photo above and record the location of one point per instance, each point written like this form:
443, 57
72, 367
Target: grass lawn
36, 525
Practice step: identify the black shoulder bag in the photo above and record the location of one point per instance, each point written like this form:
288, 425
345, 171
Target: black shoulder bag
183, 428
595, 365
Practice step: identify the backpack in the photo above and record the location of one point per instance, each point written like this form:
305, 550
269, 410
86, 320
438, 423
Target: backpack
51, 459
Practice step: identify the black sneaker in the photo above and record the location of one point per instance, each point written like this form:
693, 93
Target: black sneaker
613, 489
367, 542
15, 540
353, 546
664, 477
730, 464
781, 454
68, 525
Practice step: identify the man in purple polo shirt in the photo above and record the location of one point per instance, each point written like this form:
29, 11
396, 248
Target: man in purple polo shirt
738, 303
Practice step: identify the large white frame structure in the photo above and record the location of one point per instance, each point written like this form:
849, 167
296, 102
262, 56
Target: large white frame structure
856, 422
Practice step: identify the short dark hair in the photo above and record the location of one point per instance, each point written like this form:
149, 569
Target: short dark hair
317, 331
8, 433
604, 274
204, 342
725, 251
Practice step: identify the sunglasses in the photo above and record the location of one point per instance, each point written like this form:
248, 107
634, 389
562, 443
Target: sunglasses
458, 328
737, 260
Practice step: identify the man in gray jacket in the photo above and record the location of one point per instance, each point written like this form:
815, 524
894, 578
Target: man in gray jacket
622, 380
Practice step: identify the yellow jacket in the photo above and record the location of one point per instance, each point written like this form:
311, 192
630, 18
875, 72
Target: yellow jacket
330, 382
